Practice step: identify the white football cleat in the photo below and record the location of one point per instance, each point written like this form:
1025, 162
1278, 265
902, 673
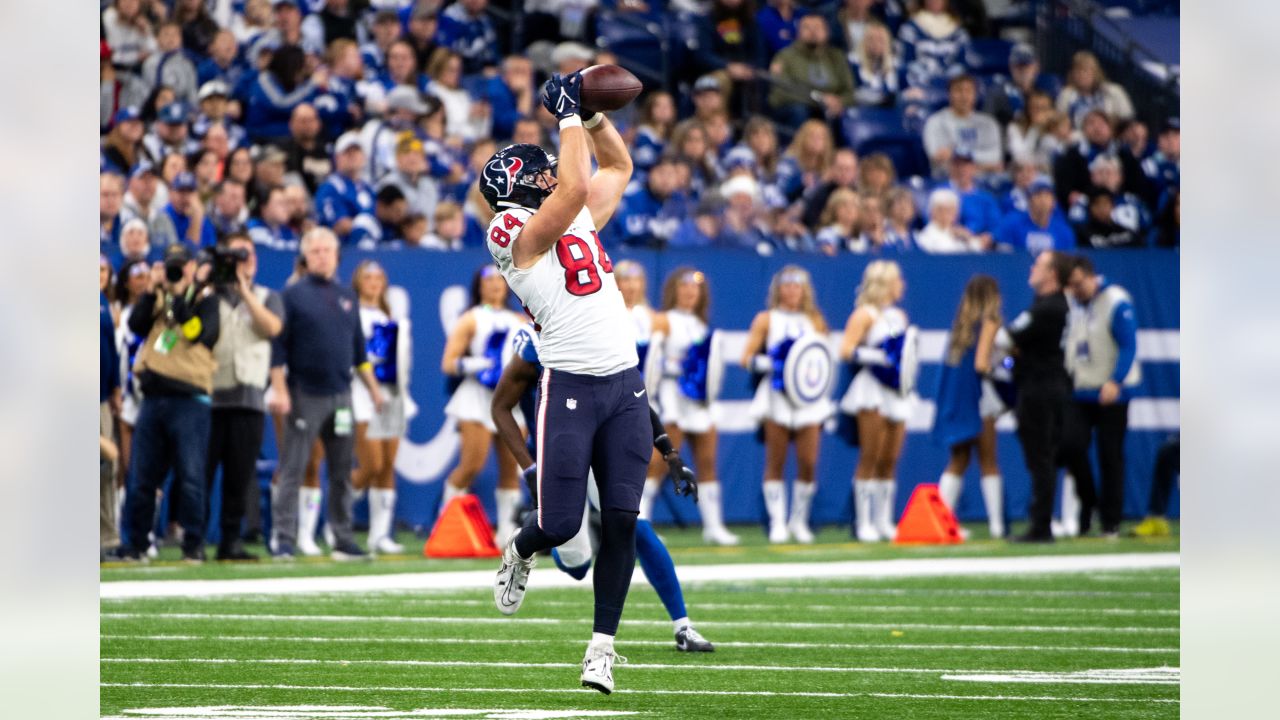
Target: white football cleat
512, 578
801, 532
719, 536
778, 533
387, 546
597, 668
307, 546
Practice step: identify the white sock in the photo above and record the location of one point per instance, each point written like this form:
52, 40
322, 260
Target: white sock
949, 489
709, 506
863, 499
887, 491
775, 501
993, 498
1070, 505
601, 640
382, 513
308, 512
682, 623
651, 488
801, 499
450, 492
507, 500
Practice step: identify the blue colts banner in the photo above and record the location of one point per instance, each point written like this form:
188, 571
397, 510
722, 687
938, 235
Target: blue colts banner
437, 285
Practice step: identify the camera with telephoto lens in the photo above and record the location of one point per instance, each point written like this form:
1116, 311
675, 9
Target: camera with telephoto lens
176, 257
224, 262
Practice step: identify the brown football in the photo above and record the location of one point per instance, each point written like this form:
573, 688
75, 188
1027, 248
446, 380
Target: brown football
608, 87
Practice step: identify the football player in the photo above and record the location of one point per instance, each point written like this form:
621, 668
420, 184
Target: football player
592, 413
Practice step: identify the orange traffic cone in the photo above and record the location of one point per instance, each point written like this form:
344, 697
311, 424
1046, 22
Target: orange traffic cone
462, 531
927, 519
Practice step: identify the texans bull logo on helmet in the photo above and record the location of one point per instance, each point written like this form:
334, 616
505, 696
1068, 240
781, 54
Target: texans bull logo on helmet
500, 174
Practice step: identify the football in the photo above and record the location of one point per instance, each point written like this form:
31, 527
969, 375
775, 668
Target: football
608, 87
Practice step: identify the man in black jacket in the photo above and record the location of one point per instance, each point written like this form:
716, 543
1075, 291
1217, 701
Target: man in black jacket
178, 317
1043, 385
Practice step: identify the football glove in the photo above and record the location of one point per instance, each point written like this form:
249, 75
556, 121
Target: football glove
560, 95
530, 477
682, 475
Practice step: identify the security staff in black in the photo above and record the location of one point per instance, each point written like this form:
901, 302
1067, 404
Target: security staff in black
1043, 386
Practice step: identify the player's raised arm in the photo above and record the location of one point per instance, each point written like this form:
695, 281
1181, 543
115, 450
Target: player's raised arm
544, 229
614, 169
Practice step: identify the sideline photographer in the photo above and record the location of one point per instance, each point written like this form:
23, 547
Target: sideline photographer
250, 315
178, 316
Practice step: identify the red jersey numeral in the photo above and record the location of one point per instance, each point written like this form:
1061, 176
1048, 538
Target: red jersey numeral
499, 237
580, 276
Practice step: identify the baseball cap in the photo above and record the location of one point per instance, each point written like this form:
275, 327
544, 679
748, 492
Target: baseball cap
740, 185
1022, 54
177, 252
184, 181
408, 142
173, 114
212, 88
1039, 185
1173, 124
141, 168
126, 114
707, 82
571, 51
403, 97
271, 153
962, 155
346, 141
1104, 159
278, 3
739, 157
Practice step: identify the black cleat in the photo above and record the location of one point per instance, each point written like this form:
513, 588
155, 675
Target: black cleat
689, 640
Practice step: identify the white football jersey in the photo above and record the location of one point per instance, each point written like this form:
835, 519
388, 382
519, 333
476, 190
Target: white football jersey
585, 327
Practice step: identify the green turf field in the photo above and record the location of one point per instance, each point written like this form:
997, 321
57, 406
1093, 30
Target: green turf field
1087, 644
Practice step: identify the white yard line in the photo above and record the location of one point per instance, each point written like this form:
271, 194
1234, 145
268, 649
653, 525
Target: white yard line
624, 691
341, 662
256, 617
548, 577
406, 600
365, 640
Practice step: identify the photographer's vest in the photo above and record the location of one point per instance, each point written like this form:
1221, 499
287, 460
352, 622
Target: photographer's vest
243, 356
1091, 349
187, 362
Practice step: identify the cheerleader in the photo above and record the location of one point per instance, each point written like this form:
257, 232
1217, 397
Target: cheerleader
388, 339
473, 355
792, 313
683, 332
634, 286
968, 404
881, 411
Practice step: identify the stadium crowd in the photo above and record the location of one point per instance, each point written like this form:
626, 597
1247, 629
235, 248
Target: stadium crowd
819, 128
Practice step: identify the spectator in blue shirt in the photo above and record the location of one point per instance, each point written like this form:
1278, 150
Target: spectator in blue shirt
654, 124
385, 30
933, 43
466, 29
183, 219
222, 63
271, 227
650, 213
979, 211
1041, 227
777, 21
510, 95
1163, 168
1008, 95
344, 202
402, 68
277, 92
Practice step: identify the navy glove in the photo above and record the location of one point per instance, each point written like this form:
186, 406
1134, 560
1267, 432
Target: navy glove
530, 477
682, 476
560, 95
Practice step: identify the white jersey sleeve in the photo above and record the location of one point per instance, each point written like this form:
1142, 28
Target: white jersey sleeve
585, 327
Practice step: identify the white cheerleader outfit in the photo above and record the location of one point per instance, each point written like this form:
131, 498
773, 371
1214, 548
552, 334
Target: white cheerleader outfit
472, 400
392, 422
686, 413
774, 405
868, 393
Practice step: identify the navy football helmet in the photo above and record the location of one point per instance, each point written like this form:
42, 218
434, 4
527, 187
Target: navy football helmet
513, 177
